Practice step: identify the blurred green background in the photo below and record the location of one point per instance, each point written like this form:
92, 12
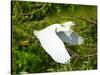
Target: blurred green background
27, 53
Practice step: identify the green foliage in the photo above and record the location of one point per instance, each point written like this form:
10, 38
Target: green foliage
27, 53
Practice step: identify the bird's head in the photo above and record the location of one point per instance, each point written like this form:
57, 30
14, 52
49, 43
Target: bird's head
65, 26
68, 24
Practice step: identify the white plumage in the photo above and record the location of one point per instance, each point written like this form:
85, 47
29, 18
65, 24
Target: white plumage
52, 38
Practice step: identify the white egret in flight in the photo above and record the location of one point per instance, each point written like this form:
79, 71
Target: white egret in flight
52, 38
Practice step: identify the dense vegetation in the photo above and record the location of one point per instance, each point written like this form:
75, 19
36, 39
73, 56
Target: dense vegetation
27, 53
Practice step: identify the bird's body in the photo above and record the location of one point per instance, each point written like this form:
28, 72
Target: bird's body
51, 39
54, 47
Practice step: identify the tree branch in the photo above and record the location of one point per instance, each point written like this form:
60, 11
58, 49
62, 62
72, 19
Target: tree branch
81, 18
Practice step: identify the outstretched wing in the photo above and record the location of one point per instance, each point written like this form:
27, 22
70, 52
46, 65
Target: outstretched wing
54, 46
70, 37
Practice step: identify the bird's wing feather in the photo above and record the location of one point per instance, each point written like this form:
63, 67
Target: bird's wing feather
70, 37
54, 47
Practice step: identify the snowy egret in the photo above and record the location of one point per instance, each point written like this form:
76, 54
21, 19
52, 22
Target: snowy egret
52, 38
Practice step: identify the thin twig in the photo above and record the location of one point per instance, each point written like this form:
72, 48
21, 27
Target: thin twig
19, 8
39, 9
28, 14
89, 55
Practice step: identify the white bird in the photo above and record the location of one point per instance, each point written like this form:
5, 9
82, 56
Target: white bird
52, 38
